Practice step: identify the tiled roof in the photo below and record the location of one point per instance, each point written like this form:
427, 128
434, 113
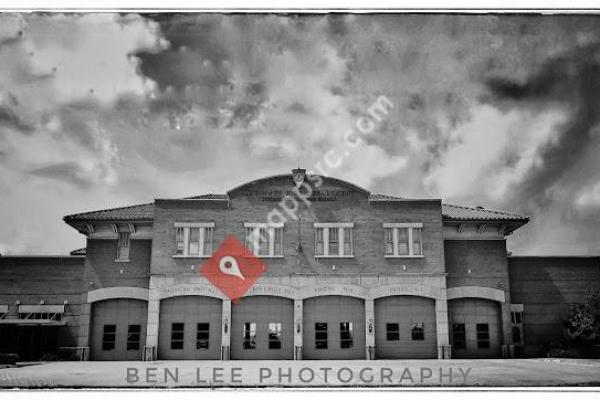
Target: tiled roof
138, 212
383, 197
211, 196
145, 212
79, 252
451, 211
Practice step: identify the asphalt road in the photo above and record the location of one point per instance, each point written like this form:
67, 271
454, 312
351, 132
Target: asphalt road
354, 373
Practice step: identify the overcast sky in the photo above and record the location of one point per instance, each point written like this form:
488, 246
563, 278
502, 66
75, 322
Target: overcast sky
104, 110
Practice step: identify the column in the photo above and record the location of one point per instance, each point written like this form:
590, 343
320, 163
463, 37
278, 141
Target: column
441, 326
84, 330
370, 328
226, 329
151, 348
506, 330
298, 328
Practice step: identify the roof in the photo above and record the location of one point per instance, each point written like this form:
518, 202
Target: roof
138, 212
464, 213
79, 252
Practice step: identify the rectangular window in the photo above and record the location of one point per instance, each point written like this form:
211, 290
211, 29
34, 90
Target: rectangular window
319, 243
321, 335
194, 242
392, 332
194, 239
459, 337
202, 335
133, 337
346, 341
403, 239
274, 335
123, 246
516, 333
348, 251
177, 336
416, 242
516, 317
417, 331
278, 245
334, 239
249, 335
483, 336
109, 337
180, 241
264, 240
389, 241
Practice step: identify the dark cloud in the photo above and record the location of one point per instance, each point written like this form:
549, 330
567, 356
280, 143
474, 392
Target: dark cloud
69, 172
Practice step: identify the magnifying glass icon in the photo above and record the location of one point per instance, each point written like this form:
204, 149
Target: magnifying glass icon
229, 266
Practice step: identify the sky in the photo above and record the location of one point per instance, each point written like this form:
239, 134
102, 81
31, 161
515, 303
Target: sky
102, 110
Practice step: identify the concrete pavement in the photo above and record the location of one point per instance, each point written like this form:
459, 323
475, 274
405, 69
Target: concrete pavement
353, 373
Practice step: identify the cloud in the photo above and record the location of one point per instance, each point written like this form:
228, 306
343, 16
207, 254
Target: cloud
102, 110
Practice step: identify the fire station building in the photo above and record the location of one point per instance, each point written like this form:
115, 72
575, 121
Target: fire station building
352, 275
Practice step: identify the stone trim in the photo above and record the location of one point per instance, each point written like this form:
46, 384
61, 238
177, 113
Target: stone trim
481, 292
119, 292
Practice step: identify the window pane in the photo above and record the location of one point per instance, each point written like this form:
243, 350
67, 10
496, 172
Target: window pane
123, 246
334, 243
278, 245
348, 241
249, 335
459, 338
177, 336
389, 241
274, 330
208, 246
346, 335
483, 336
202, 336
194, 242
417, 331
133, 337
263, 241
179, 243
319, 248
250, 239
516, 334
392, 331
417, 250
320, 335
108, 337
403, 241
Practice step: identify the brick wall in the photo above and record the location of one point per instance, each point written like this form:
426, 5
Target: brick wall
103, 271
51, 279
485, 258
546, 286
354, 207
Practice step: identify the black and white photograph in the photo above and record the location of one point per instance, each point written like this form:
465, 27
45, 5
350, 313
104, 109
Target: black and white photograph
299, 199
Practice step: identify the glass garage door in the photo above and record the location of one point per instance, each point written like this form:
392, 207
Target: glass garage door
334, 328
405, 327
262, 328
475, 328
190, 328
118, 329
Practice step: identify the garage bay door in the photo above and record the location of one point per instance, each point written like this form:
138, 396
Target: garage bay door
405, 327
118, 329
262, 328
190, 328
475, 328
334, 328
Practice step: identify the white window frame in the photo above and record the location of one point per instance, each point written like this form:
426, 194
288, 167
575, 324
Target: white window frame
403, 225
186, 238
119, 256
340, 227
256, 226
